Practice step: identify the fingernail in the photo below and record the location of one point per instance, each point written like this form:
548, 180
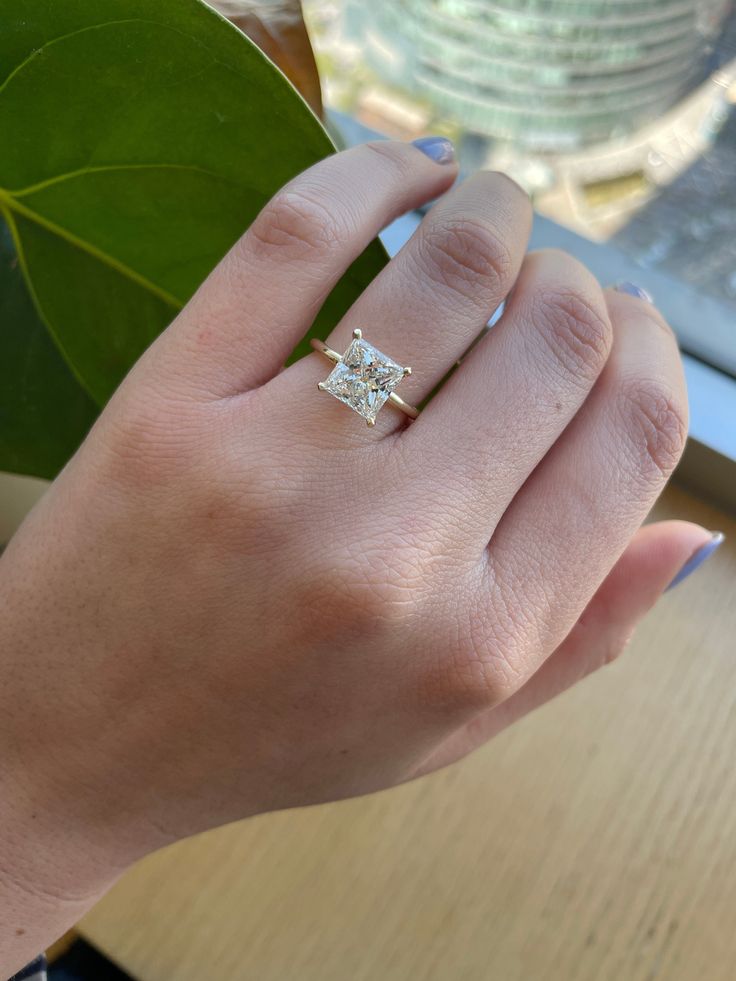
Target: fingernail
437, 148
698, 558
631, 289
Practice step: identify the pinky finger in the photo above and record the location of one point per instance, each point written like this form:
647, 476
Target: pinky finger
653, 559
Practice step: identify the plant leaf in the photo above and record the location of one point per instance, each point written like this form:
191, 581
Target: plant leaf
44, 412
278, 28
139, 140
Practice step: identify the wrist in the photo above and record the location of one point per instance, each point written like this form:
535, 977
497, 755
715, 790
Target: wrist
48, 879
64, 839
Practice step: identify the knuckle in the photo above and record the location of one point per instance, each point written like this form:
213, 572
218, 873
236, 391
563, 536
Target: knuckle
656, 421
576, 329
468, 258
476, 684
390, 574
152, 445
359, 598
487, 661
295, 224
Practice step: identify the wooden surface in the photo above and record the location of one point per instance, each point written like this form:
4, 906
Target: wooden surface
594, 840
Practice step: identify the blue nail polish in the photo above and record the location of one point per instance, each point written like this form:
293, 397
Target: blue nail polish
437, 148
698, 558
631, 289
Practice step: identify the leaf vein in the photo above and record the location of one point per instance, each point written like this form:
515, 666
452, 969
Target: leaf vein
19, 251
12, 204
55, 40
109, 168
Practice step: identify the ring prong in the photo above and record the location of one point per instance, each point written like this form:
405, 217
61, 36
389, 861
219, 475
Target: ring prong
407, 371
321, 386
370, 422
357, 333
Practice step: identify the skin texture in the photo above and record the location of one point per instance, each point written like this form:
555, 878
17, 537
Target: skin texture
238, 598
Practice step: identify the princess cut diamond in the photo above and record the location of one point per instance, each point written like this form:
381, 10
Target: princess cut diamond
363, 379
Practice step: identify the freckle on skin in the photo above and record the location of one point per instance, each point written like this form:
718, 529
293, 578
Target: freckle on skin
19, 932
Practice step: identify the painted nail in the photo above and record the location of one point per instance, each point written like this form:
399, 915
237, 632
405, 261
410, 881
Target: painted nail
631, 289
698, 558
437, 148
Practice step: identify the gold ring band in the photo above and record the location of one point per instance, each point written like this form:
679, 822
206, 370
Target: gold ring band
364, 378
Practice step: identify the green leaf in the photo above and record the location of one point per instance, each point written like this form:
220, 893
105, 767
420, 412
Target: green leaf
44, 413
139, 139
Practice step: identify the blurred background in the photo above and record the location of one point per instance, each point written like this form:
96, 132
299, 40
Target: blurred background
616, 115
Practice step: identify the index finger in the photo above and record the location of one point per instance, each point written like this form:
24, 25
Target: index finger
246, 318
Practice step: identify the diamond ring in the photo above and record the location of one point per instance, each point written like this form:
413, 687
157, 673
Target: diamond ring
363, 378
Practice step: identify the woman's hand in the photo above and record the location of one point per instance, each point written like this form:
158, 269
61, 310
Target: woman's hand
237, 597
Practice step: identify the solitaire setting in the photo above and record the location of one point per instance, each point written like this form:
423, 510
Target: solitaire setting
364, 378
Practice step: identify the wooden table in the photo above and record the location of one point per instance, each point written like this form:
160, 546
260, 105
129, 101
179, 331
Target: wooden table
594, 840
